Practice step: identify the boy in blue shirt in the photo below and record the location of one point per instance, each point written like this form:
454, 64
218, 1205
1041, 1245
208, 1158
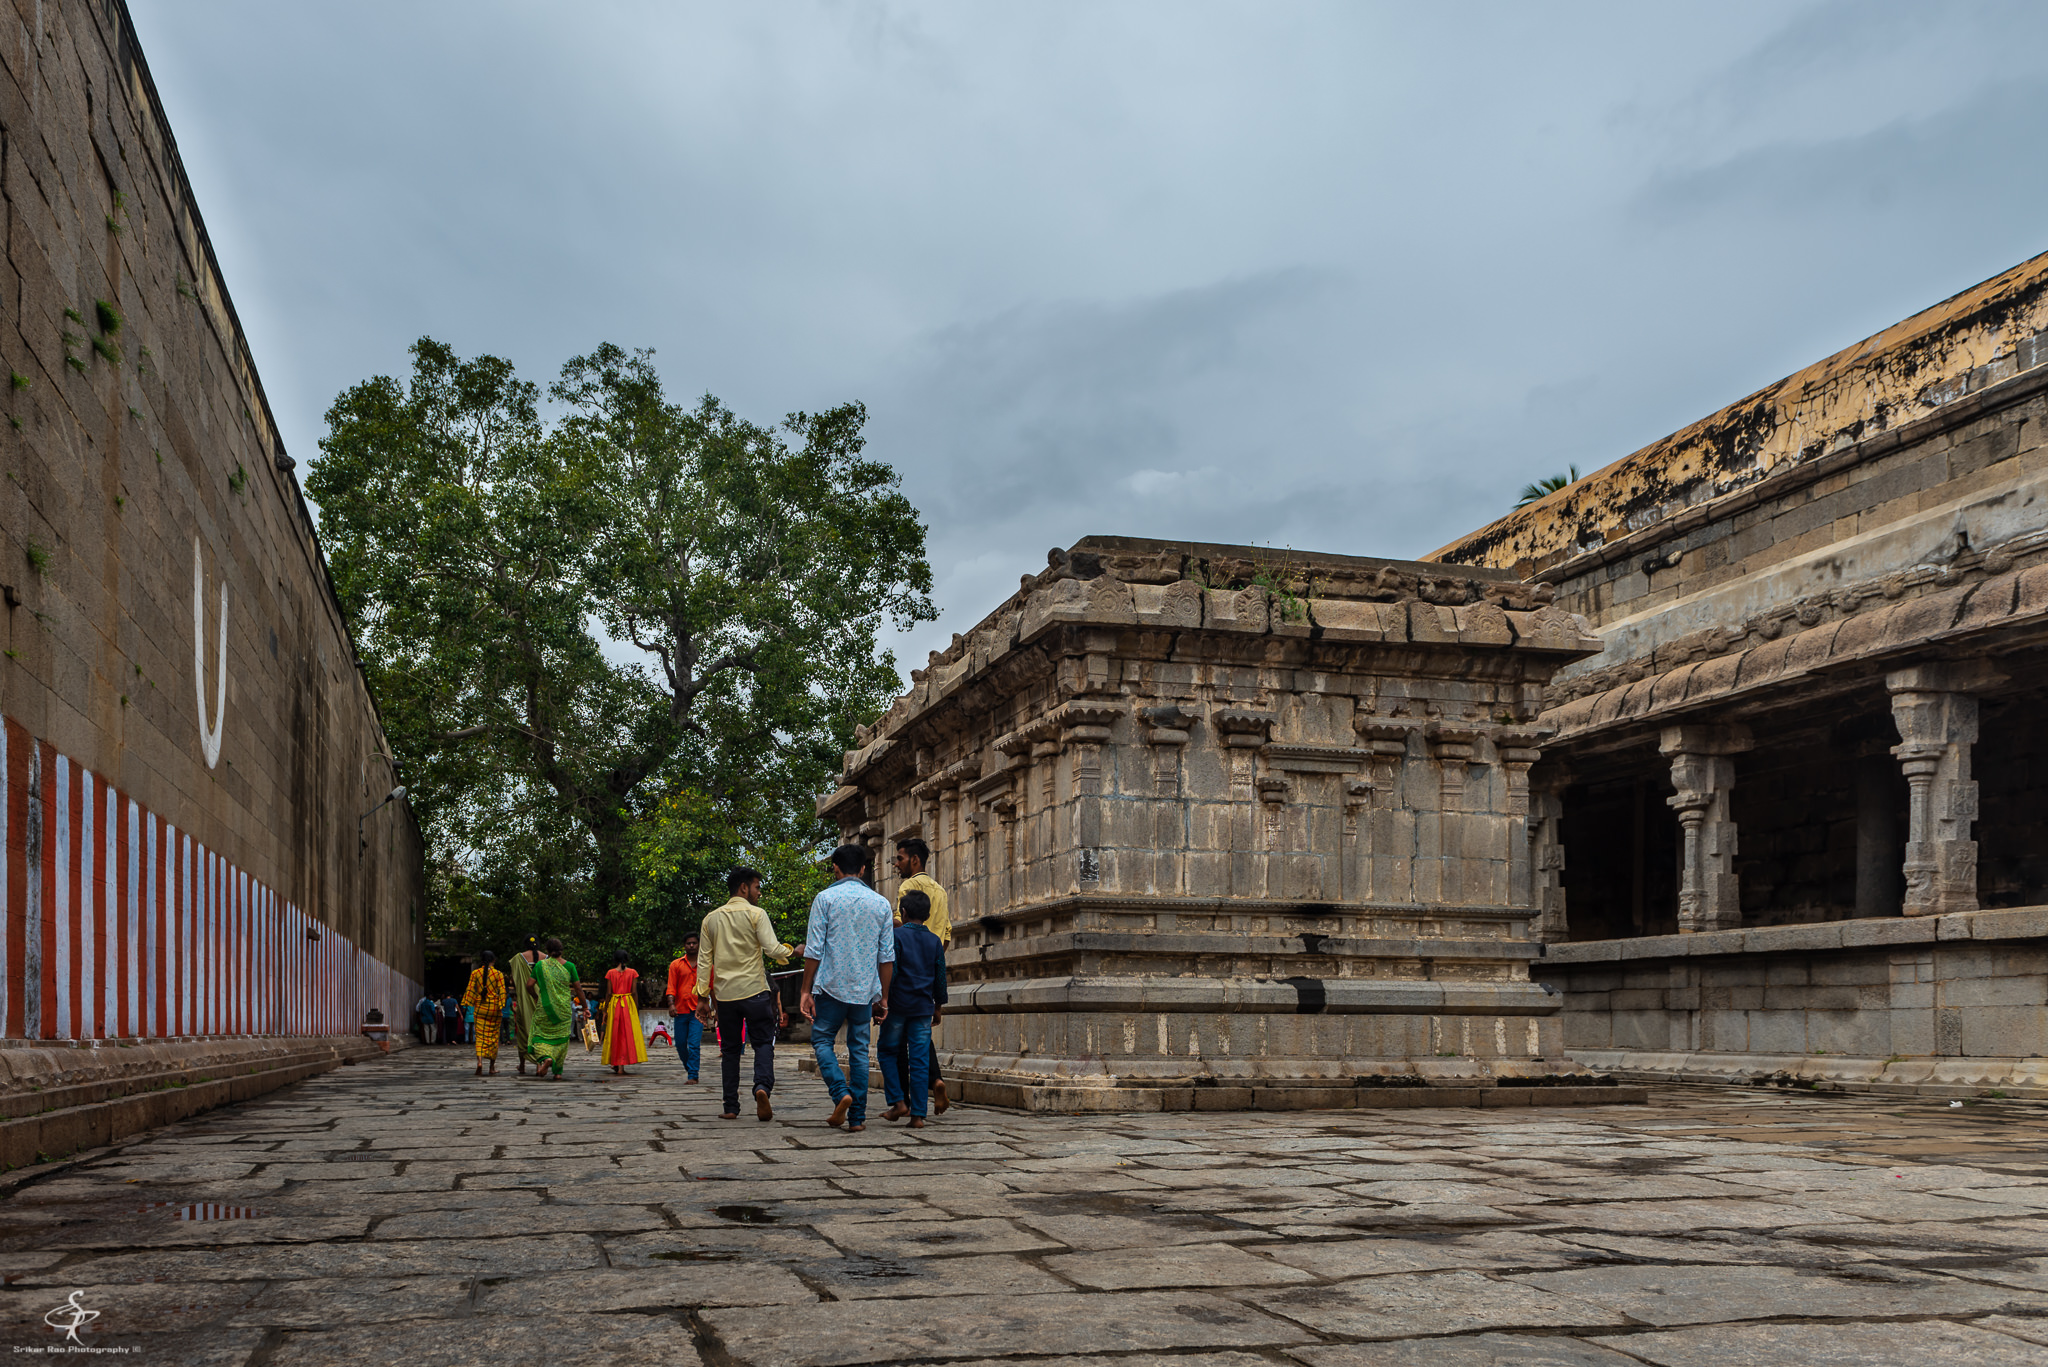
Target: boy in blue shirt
917, 996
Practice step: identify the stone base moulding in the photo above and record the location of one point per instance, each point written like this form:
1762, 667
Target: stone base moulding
2019, 1079
1448, 1085
100, 1096
1332, 1095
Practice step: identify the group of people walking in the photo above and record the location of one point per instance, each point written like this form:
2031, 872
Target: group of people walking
441, 1020
865, 963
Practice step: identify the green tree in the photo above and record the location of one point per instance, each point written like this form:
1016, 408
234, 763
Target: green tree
1544, 488
495, 566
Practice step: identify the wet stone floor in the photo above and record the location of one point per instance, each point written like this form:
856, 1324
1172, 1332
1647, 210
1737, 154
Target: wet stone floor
405, 1212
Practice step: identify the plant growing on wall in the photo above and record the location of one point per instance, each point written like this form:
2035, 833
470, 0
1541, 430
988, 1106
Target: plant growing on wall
109, 320
565, 621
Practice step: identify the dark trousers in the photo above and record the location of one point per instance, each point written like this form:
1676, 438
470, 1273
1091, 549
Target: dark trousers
931, 1055
758, 1014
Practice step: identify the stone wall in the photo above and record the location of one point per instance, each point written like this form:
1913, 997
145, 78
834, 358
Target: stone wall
1959, 1000
173, 649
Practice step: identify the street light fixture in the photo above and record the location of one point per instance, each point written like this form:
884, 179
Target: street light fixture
363, 841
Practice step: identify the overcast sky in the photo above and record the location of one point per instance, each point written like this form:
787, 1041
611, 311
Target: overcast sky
1338, 277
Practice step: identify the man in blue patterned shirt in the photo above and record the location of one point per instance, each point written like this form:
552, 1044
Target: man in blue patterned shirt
849, 953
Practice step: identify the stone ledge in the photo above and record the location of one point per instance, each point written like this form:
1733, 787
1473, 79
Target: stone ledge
32, 1072
2020, 1078
1018, 1096
2016, 923
91, 1114
1286, 996
1182, 943
1280, 909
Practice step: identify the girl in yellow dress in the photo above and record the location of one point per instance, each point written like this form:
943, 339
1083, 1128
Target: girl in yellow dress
485, 996
623, 1042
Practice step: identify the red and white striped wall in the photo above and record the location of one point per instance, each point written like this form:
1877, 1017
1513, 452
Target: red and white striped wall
114, 924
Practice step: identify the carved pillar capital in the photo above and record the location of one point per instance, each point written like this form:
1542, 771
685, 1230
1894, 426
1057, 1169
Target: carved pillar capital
1935, 709
1703, 772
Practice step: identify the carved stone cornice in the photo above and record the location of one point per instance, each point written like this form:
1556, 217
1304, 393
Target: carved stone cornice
1244, 727
1386, 737
1454, 741
991, 784
1316, 759
1168, 724
841, 800
1521, 745
1083, 713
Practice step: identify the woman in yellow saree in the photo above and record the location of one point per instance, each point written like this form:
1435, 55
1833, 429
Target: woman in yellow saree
485, 996
552, 993
624, 1044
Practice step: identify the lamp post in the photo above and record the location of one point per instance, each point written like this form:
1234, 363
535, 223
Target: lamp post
363, 841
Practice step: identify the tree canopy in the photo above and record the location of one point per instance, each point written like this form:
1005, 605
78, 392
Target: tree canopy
617, 640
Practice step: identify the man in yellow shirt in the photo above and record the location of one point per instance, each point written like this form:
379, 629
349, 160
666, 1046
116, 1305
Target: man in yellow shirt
912, 858
734, 987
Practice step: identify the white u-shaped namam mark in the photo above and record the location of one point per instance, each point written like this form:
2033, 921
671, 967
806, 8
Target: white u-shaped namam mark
209, 739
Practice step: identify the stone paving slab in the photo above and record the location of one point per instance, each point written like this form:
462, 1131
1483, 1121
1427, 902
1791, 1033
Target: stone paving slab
622, 1221
1833, 1345
839, 1334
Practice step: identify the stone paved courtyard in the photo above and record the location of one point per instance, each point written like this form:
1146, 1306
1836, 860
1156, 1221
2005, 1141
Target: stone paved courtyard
405, 1212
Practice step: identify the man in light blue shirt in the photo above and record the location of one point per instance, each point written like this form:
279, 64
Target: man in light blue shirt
849, 953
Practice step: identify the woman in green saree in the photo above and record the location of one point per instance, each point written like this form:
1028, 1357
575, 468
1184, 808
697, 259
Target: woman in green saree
552, 992
518, 973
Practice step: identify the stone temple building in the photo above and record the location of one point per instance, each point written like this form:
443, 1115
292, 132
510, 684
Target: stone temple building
1677, 772
1214, 821
1801, 792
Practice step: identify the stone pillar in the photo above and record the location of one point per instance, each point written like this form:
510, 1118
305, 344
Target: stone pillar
1354, 878
1703, 771
1935, 708
1167, 731
1546, 852
1389, 874
1085, 727
1440, 867
1240, 733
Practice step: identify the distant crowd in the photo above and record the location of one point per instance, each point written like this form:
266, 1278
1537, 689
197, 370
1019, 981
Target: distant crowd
865, 964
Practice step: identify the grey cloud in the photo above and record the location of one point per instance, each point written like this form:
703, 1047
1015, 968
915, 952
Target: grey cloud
1338, 275
1928, 169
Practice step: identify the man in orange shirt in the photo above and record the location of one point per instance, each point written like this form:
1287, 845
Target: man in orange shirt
682, 999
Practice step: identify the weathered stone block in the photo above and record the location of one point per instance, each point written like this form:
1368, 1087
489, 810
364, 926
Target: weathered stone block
2027, 990
2002, 1032
1893, 931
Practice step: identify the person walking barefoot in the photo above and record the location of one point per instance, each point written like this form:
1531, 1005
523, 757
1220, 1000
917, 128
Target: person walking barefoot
849, 953
552, 989
485, 995
624, 1045
917, 993
913, 858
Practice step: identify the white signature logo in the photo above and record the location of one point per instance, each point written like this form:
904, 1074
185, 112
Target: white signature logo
71, 1317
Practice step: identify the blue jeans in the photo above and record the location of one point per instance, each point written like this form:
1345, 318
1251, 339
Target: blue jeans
689, 1041
911, 1037
832, 1014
